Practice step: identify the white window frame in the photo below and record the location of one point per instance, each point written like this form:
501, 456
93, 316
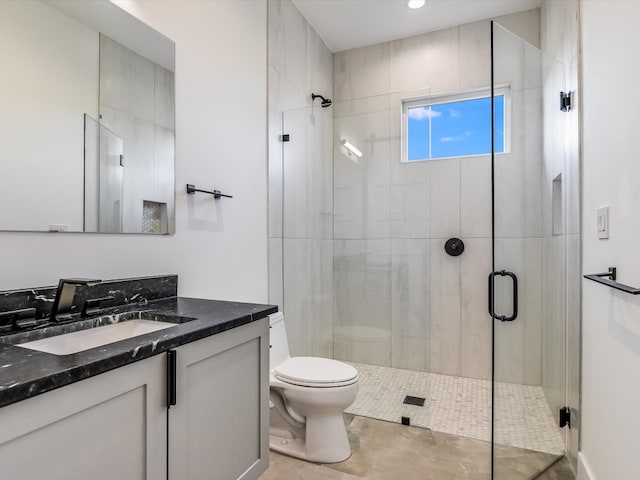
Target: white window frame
441, 99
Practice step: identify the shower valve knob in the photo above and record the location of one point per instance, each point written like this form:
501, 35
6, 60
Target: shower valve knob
454, 247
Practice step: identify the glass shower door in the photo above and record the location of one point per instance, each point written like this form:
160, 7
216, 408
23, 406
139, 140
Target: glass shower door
526, 291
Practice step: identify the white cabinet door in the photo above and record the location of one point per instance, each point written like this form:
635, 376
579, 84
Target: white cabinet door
219, 426
111, 426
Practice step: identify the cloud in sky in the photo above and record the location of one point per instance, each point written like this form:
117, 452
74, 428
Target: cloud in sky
457, 138
455, 113
420, 113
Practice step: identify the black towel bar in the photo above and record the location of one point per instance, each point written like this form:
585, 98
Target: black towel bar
611, 281
191, 189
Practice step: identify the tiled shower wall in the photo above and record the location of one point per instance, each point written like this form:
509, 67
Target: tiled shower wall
377, 274
300, 238
399, 299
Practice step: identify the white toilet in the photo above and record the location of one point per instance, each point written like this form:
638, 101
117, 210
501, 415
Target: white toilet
308, 396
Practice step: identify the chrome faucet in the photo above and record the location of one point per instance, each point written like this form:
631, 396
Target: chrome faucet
64, 296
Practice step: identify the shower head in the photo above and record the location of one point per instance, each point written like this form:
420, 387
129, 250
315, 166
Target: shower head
326, 102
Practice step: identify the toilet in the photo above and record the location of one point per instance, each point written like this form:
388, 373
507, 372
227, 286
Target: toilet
307, 398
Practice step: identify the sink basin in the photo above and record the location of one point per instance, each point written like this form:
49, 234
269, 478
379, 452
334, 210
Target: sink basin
79, 341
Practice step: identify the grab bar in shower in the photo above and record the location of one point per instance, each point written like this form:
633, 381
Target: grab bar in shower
611, 281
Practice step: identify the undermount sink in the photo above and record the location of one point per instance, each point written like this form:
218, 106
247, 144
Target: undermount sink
79, 341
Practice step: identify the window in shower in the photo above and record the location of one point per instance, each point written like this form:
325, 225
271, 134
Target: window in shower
453, 126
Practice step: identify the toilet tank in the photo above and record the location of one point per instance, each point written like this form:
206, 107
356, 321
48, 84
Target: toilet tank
279, 347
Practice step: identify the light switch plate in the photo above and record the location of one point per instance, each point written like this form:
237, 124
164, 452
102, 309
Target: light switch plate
603, 222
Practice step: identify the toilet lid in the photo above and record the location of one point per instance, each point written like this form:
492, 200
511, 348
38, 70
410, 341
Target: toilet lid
315, 371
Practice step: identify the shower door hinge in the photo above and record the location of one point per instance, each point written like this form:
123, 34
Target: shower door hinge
284, 138
565, 417
566, 101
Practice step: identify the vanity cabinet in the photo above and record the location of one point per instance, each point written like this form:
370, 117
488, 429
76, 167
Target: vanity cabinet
109, 426
116, 425
219, 426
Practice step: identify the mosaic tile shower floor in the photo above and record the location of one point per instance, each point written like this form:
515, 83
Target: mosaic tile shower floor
459, 406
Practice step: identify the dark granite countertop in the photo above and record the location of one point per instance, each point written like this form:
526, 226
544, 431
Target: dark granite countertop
25, 373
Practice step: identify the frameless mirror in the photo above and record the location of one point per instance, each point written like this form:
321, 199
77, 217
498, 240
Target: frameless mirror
87, 120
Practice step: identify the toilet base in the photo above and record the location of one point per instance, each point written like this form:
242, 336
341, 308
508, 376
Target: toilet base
326, 441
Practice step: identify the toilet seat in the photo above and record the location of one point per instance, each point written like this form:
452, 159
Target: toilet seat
315, 372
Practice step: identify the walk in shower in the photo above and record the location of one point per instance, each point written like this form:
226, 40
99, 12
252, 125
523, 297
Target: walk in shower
388, 243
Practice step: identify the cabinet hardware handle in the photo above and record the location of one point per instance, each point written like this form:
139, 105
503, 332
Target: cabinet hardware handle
171, 378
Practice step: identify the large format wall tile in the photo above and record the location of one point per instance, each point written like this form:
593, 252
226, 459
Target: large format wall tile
410, 304
319, 65
445, 198
525, 24
307, 174
475, 322
445, 310
417, 62
321, 171
276, 266
518, 174
164, 168
362, 190
475, 55
475, 196
283, 98
410, 211
362, 301
294, 173
508, 59
518, 343
554, 320
361, 72
300, 63
308, 296
165, 98
138, 185
126, 80
287, 39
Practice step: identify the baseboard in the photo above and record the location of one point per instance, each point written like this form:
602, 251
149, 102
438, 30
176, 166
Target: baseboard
584, 472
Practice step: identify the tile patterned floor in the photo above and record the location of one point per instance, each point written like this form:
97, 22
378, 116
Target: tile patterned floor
459, 406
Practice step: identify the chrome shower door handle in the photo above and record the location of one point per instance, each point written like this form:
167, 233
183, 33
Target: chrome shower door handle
514, 314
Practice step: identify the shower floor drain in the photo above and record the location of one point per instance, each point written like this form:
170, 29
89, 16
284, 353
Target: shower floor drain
418, 401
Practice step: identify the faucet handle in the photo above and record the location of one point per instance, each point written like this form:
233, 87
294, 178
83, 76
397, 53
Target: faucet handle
92, 305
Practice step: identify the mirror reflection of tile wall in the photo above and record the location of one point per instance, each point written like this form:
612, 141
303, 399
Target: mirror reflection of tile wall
136, 104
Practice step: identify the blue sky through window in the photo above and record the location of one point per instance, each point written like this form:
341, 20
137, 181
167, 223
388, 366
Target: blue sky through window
454, 129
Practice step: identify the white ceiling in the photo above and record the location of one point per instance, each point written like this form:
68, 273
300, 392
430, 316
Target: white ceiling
345, 24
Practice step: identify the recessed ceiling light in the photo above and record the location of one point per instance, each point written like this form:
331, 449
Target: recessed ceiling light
416, 3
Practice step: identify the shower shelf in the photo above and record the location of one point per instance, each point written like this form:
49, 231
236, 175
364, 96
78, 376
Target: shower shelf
611, 281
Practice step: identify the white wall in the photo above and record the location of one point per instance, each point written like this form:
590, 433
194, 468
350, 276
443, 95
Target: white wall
220, 248
611, 319
49, 80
